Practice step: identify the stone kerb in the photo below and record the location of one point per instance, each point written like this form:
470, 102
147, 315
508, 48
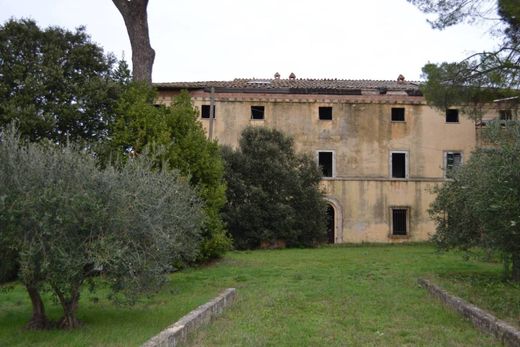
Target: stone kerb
483, 320
177, 333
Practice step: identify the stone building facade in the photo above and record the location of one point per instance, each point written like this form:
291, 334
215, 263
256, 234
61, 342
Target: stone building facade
380, 146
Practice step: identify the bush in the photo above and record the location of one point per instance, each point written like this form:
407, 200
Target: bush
480, 206
174, 138
273, 194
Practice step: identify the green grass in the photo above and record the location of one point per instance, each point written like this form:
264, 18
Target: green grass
487, 290
334, 296
107, 324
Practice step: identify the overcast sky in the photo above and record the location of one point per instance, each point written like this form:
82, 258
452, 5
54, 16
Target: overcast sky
200, 40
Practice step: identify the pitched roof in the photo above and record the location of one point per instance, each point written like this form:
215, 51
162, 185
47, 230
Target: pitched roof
300, 86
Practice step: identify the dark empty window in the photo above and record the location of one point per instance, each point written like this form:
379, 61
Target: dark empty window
205, 111
325, 161
505, 114
325, 113
399, 221
398, 165
452, 115
397, 114
257, 112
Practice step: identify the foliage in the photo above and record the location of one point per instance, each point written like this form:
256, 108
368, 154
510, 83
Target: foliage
69, 221
174, 136
452, 12
55, 83
273, 193
8, 264
482, 77
481, 205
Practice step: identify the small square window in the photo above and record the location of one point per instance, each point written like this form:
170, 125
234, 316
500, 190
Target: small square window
326, 163
398, 114
257, 112
505, 114
325, 113
452, 115
205, 111
399, 221
398, 164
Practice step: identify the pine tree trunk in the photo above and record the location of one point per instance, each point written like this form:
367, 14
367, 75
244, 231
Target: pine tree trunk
515, 268
136, 22
38, 320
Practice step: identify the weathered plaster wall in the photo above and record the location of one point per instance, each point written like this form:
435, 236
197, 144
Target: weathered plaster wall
361, 134
366, 208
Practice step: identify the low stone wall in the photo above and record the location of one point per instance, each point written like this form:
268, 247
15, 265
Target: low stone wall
483, 320
178, 332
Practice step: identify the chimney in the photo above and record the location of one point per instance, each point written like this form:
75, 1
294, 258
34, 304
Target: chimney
277, 76
400, 79
292, 76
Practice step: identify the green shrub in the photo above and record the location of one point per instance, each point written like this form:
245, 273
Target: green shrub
173, 137
480, 205
273, 193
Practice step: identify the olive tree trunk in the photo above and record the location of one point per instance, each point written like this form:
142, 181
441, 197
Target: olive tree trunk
136, 22
70, 307
515, 268
39, 319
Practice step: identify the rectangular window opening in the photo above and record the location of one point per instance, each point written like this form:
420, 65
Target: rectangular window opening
452, 115
325, 113
257, 112
398, 114
325, 162
505, 114
205, 111
398, 165
399, 221
453, 161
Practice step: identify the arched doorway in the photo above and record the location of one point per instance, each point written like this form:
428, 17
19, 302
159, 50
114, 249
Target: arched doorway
331, 224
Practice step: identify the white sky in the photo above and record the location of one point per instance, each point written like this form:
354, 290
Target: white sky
200, 40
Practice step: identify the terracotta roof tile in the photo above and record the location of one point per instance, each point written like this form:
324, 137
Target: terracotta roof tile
296, 84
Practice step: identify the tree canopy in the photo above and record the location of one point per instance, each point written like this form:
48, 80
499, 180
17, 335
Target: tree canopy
482, 77
172, 135
68, 220
57, 84
480, 206
273, 193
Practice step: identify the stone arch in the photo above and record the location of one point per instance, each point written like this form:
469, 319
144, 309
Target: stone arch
338, 218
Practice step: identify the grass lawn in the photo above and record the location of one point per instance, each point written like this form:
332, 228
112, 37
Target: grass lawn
333, 296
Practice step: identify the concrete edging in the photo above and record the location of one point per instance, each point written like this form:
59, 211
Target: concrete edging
178, 332
483, 320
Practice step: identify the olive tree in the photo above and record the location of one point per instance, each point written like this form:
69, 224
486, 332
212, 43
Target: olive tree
69, 220
480, 205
